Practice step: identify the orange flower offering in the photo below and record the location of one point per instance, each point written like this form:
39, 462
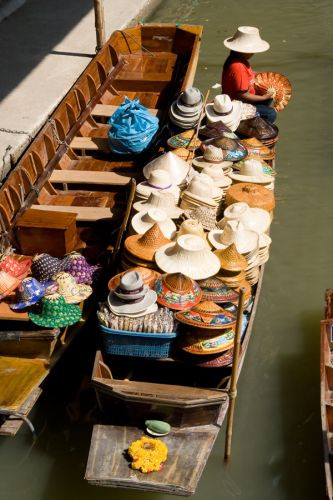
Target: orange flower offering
148, 454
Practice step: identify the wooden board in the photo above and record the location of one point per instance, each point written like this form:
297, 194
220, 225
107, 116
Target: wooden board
89, 214
18, 378
189, 450
13, 424
107, 110
91, 144
89, 177
6, 313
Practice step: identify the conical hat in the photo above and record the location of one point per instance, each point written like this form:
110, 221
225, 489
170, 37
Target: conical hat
195, 343
160, 200
186, 139
257, 127
144, 246
254, 195
177, 291
254, 146
230, 259
177, 167
214, 289
144, 220
207, 315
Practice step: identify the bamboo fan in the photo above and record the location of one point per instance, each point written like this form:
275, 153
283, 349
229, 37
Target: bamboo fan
280, 85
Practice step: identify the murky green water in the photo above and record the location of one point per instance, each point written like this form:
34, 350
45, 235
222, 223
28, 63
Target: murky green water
277, 452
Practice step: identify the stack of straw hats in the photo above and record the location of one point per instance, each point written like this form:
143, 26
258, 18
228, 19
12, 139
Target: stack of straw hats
139, 250
254, 195
206, 216
256, 147
212, 157
246, 242
214, 289
201, 192
188, 255
232, 267
233, 149
159, 181
186, 139
159, 200
176, 167
266, 168
132, 297
144, 220
261, 129
194, 227
251, 171
185, 111
177, 291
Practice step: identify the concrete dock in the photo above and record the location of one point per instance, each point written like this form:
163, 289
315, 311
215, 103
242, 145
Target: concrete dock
45, 46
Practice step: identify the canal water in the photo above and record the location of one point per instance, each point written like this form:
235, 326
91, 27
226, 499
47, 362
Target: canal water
277, 450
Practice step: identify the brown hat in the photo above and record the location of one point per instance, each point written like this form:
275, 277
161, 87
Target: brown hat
254, 195
230, 259
145, 245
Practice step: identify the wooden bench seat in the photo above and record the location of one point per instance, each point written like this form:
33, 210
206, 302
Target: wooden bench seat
89, 177
88, 214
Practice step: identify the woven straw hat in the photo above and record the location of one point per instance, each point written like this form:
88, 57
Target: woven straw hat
148, 277
258, 127
206, 216
230, 259
166, 201
254, 219
247, 40
17, 268
175, 166
188, 255
212, 155
214, 289
218, 176
54, 312
201, 191
251, 171
234, 232
68, 288
225, 110
254, 195
177, 291
186, 139
266, 168
160, 181
256, 147
194, 227
207, 315
144, 246
8, 283
142, 221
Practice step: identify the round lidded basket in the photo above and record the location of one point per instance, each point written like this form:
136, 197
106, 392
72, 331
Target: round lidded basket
254, 195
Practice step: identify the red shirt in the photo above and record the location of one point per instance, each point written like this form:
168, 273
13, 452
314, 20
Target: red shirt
238, 77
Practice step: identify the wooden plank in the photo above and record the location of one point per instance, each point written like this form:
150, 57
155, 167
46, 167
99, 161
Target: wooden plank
12, 424
18, 377
89, 214
91, 144
189, 450
89, 177
6, 313
107, 110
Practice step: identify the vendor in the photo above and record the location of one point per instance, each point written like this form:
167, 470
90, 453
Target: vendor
238, 76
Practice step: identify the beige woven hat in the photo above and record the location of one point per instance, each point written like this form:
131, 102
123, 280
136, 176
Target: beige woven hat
142, 221
144, 246
225, 110
173, 164
217, 175
212, 156
159, 180
161, 200
231, 260
251, 171
200, 191
234, 232
207, 216
247, 40
254, 219
194, 227
190, 256
72, 292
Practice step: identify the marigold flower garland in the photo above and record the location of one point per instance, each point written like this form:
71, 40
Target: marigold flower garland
148, 454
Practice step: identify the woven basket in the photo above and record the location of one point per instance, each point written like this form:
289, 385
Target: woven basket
137, 344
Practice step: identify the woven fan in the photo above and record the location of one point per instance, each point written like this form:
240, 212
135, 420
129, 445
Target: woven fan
276, 82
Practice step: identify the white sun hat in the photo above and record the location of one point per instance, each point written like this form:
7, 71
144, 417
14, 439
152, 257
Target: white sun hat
201, 191
156, 199
247, 40
142, 221
159, 180
251, 171
225, 110
190, 256
177, 168
217, 175
234, 232
194, 227
254, 219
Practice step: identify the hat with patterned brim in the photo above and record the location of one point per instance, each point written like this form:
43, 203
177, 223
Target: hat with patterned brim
194, 343
17, 268
54, 312
177, 291
31, 291
77, 266
68, 288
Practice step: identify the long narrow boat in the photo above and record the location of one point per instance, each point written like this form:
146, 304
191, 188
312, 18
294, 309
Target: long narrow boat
326, 389
68, 191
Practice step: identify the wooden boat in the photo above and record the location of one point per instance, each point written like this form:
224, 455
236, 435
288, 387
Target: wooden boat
68, 191
326, 389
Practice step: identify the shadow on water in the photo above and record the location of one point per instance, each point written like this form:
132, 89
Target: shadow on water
23, 37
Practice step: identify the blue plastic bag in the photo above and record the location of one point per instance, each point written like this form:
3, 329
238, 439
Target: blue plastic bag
133, 128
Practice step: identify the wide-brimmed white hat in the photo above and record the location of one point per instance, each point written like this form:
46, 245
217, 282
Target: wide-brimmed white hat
194, 227
234, 232
159, 180
190, 256
177, 168
225, 110
216, 192
131, 296
247, 40
212, 156
200, 191
163, 200
217, 175
251, 171
144, 220
254, 219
